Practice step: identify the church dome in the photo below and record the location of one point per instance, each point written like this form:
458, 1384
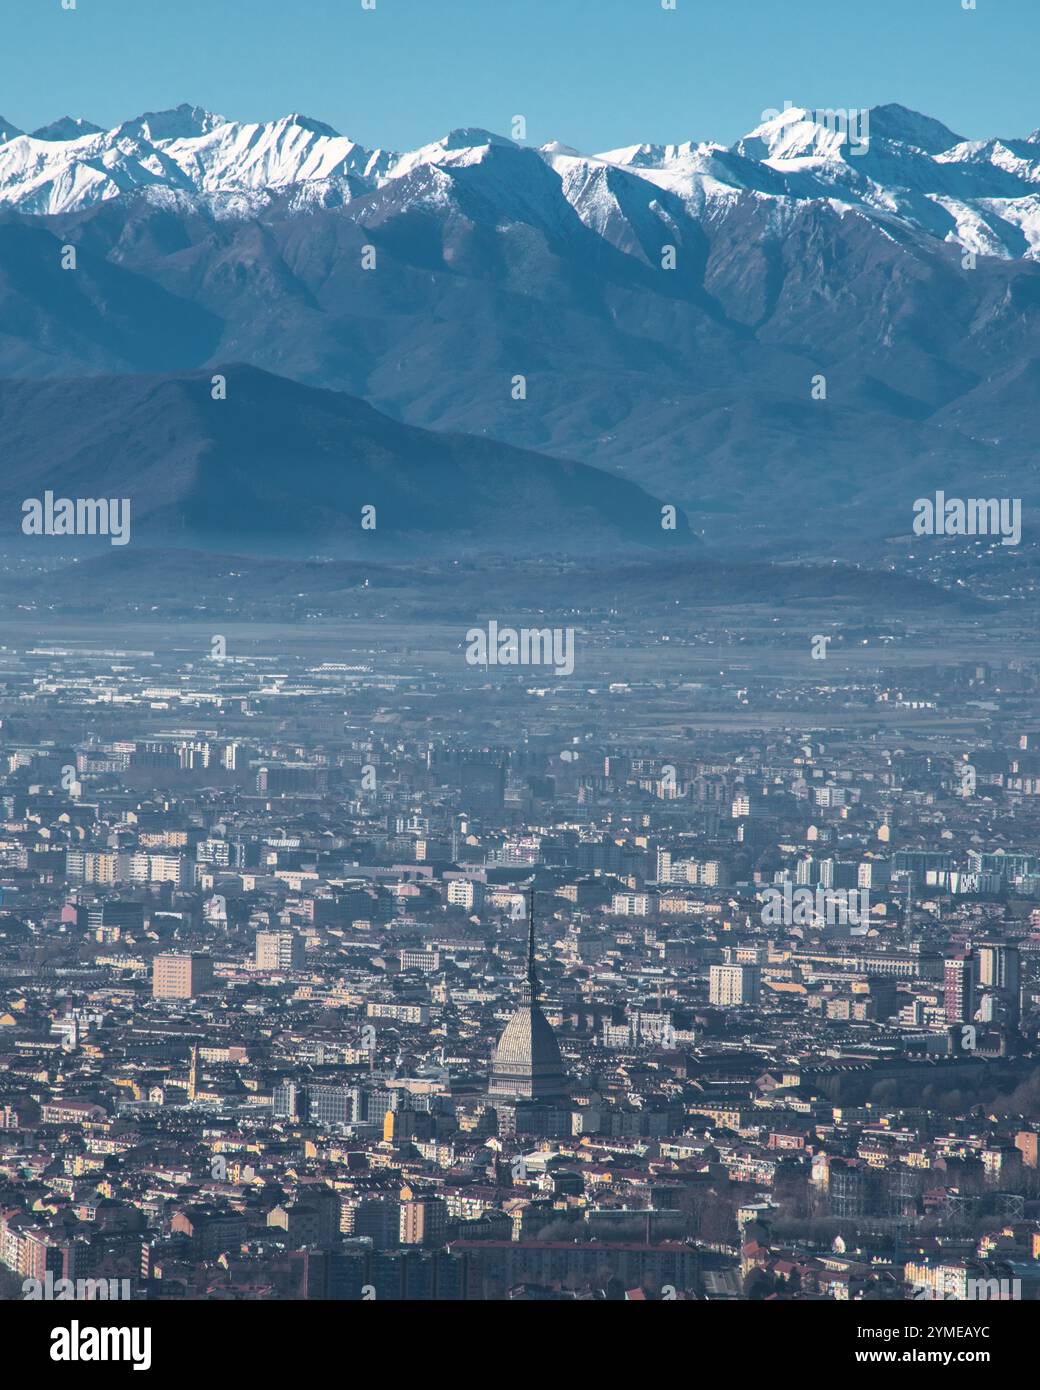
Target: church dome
526, 1063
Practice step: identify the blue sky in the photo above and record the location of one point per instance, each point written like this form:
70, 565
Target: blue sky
592, 73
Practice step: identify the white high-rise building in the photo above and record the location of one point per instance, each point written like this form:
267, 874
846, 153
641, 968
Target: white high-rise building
630, 904
730, 986
463, 892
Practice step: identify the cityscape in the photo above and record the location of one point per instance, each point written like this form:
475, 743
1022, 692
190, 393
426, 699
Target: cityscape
402, 978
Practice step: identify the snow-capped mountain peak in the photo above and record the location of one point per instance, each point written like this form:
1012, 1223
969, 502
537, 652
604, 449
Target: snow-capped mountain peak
553, 147
461, 147
184, 122
797, 133
308, 123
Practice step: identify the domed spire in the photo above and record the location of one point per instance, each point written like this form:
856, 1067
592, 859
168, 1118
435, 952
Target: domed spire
526, 1064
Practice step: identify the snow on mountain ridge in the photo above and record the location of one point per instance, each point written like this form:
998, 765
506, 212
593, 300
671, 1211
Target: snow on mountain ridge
888, 162
292, 150
47, 177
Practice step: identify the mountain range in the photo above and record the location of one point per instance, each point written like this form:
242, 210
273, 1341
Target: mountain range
268, 466
792, 338
896, 165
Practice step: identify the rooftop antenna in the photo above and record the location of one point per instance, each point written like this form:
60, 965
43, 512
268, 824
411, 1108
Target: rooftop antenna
908, 920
